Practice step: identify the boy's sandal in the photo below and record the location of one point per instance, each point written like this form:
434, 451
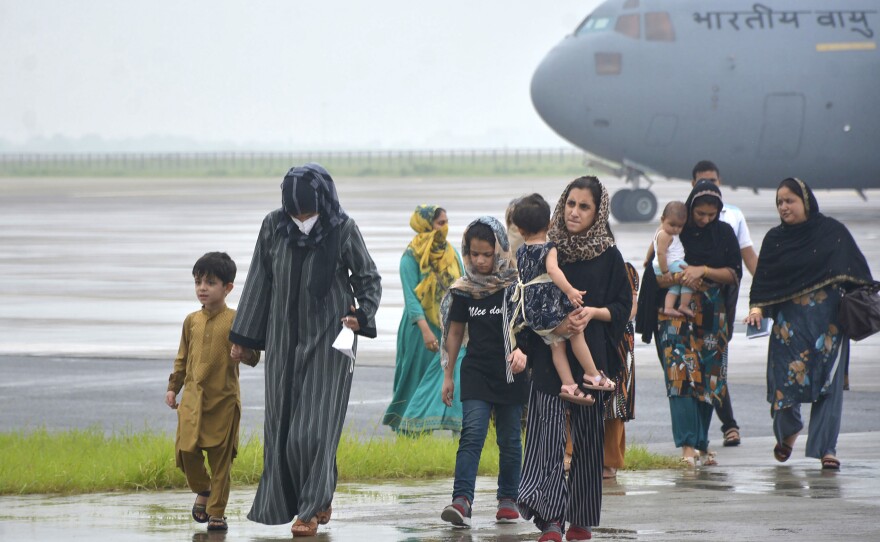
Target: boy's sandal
323, 516
731, 437
573, 394
217, 523
782, 452
304, 528
830, 462
599, 382
200, 510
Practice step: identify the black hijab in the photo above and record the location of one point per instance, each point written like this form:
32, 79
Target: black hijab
715, 243
308, 189
802, 257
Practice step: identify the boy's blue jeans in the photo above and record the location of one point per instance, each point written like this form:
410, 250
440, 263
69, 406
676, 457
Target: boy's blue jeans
508, 432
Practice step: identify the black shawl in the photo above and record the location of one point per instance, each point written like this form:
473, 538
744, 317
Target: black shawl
714, 245
305, 189
803, 257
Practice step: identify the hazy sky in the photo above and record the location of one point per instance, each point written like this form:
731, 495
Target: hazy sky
292, 74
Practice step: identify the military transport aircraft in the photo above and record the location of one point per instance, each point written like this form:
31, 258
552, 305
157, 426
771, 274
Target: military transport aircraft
767, 90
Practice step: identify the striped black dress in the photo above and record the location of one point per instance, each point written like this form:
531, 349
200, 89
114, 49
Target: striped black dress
545, 494
307, 381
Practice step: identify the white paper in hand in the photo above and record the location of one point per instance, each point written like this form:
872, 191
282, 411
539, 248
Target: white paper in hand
345, 342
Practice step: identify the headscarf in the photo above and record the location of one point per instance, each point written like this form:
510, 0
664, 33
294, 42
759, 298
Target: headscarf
587, 244
796, 259
438, 263
308, 189
475, 285
715, 243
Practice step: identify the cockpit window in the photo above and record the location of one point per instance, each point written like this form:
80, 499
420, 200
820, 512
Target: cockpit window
628, 25
608, 63
658, 26
593, 24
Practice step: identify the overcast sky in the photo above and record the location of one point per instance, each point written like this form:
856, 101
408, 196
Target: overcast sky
279, 74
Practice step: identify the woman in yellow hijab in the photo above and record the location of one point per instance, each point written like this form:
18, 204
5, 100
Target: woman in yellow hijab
427, 268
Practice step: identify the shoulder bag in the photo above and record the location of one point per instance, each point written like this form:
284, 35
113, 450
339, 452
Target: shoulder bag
859, 312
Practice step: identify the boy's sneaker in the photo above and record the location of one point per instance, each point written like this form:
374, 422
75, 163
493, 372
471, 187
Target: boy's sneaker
507, 511
458, 513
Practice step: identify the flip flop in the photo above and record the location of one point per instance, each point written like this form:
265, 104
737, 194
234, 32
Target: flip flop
731, 437
599, 382
830, 463
782, 452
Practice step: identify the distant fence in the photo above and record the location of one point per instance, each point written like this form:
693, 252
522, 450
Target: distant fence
355, 163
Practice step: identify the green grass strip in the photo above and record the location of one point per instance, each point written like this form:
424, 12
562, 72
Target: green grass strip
88, 461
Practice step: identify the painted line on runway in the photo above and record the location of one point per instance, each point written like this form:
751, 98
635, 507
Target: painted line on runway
350, 403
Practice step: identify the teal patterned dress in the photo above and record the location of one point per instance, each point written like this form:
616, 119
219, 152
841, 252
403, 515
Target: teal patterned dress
695, 350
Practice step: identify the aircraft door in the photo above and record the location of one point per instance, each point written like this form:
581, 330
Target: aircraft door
783, 126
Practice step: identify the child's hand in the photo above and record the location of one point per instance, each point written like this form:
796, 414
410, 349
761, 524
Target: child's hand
171, 400
447, 392
241, 354
576, 296
517, 361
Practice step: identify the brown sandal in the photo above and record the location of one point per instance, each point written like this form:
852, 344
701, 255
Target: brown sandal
323, 516
304, 528
218, 523
200, 509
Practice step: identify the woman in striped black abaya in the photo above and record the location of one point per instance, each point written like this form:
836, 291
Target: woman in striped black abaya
309, 266
591, 262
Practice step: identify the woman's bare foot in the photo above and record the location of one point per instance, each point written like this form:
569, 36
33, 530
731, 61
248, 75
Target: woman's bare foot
672, 312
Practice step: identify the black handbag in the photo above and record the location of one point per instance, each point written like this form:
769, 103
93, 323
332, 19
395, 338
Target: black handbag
859, 312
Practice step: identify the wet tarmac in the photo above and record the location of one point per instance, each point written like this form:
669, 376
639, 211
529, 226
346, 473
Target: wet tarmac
748, 497
96, 282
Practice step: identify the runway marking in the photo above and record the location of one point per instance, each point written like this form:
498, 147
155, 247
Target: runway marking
350, 403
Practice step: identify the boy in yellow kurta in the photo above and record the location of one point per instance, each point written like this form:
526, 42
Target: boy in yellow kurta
210, 407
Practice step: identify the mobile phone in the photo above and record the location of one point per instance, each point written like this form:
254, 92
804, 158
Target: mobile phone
753, 332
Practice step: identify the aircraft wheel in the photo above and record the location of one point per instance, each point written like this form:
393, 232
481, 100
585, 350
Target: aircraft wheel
618, 205
641, 205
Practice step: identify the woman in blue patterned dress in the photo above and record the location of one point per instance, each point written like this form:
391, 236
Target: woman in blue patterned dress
805, 265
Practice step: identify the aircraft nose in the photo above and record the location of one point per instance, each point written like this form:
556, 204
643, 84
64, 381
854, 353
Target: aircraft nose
558, 86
